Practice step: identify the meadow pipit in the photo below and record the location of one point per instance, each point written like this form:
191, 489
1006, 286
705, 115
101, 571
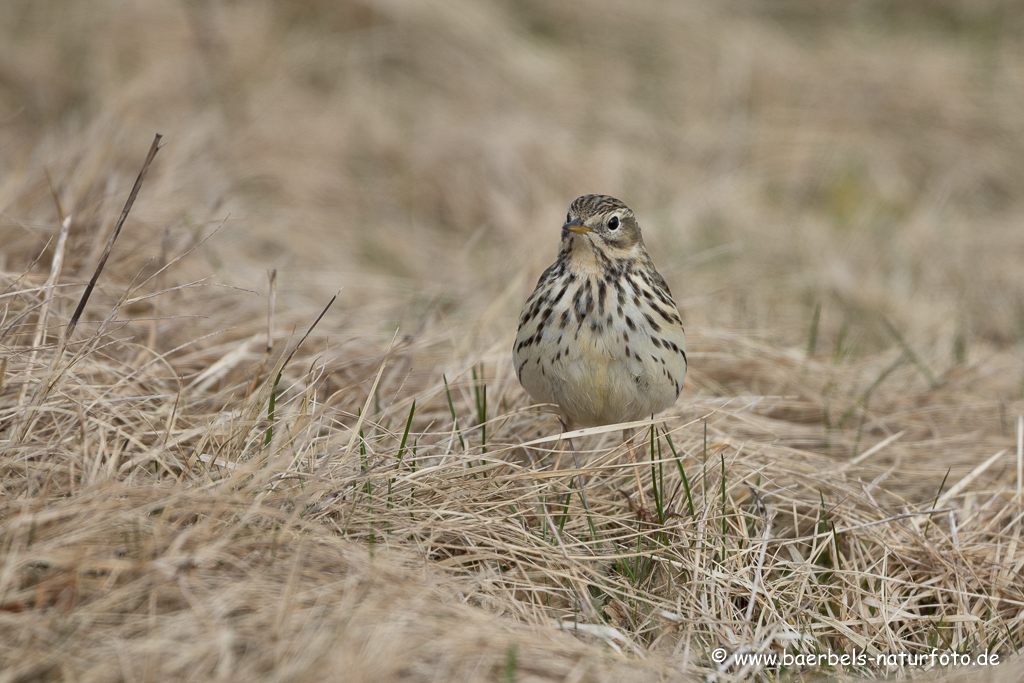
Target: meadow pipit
601, 337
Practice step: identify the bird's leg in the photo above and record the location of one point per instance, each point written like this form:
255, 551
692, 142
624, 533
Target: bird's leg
561, 451
579, 477
643, 512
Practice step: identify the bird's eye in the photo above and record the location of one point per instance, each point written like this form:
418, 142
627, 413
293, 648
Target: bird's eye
613, 223
568, 217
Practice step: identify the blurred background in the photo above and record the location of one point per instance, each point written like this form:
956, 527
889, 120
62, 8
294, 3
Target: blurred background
803, 170
832, 190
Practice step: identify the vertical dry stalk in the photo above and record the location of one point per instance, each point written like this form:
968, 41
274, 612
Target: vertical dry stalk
271, 305
153, 149
55, 267
26, 419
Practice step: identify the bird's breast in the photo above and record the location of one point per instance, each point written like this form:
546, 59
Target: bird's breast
600, 349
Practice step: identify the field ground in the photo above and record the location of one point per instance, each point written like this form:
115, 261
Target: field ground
832, 191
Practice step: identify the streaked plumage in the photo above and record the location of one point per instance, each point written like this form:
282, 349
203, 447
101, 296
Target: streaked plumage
601, 337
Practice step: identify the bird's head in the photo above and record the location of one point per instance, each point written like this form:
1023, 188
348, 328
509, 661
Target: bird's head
606, 224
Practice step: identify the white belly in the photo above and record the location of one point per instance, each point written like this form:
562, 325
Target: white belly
602, 375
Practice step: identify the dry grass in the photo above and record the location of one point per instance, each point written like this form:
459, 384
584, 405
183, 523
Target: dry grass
831, 191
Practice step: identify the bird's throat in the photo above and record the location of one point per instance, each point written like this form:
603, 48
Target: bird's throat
582, 257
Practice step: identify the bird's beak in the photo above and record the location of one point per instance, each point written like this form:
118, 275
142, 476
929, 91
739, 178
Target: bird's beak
576, 225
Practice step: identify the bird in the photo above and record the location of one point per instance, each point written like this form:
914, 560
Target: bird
601, 337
